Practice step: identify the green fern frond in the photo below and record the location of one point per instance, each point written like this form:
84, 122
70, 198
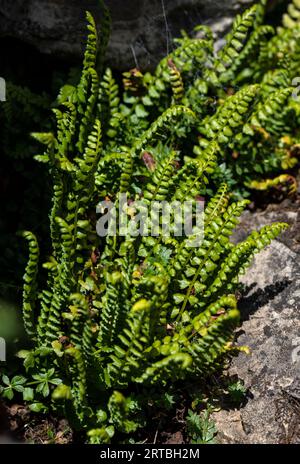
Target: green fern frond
161, 125
230, 116
236, 38
292, 17
270, 114
108, 104
176, 82
30, 285
91, 50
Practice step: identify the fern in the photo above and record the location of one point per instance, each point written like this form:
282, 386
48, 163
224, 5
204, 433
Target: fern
292, 17
120, 311
257, 65
29, 293
236, 38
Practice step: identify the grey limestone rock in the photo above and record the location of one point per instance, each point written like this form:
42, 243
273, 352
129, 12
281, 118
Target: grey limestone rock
142, 30
271, 328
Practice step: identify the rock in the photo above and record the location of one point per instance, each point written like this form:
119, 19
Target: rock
175, 439
271, 328
287, 211
144, 38
142, 31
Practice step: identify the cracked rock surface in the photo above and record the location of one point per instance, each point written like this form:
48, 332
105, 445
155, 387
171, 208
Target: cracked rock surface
270, 311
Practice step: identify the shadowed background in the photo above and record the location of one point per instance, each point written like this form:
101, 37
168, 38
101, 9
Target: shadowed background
142, 30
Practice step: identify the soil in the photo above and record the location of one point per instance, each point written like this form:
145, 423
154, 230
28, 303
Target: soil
18, 424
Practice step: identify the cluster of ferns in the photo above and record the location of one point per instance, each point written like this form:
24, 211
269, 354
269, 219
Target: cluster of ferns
122, 312
259, 143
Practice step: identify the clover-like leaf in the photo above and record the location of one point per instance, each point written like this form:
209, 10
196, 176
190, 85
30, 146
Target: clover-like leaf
44, 379
16, 384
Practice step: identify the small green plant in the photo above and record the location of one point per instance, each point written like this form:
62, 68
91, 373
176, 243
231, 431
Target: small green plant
121, 312
237, 392
200, 428
9, 387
